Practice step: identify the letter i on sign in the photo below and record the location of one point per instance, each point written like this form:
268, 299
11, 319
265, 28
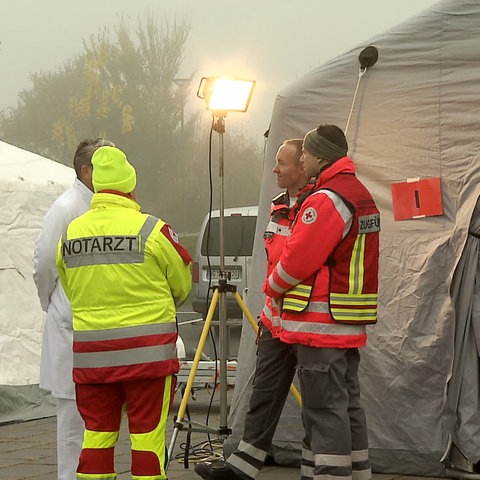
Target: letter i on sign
417, 198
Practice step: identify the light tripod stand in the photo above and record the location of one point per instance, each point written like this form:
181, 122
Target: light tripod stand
219, 297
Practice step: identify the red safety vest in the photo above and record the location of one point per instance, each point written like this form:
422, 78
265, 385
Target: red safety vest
328, 272
354, 263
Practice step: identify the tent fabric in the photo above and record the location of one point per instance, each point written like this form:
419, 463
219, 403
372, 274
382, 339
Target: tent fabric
463, 391
416, 115
29, 185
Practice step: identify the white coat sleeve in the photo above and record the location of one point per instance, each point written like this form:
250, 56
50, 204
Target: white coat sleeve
45, 272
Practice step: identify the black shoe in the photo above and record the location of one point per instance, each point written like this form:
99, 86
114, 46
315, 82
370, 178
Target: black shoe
217, 470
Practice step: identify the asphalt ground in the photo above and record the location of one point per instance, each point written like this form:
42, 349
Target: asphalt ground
28, 449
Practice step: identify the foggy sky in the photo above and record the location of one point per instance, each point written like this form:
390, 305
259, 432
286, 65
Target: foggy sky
272, 41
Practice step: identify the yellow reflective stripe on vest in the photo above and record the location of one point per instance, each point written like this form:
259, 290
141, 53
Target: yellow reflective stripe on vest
301, 290
354, 315
357, 266
107, 249
291, 301
344, 307
294, 305
364, 299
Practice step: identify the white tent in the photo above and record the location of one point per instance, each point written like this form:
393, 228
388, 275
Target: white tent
29, 185
416, 114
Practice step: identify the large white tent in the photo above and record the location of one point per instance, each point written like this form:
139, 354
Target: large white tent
416, 115
29, 185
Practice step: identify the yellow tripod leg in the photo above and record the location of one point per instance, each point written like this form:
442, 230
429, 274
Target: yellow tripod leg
198, 355
191, 377
254, 325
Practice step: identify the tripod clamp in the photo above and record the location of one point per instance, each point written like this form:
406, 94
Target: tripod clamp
223, 286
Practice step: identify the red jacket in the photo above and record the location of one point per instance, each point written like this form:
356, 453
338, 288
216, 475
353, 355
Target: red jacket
275, 238
333, 246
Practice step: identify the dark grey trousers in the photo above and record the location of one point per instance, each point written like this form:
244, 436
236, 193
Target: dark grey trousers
336, 440
274, 373
333, 418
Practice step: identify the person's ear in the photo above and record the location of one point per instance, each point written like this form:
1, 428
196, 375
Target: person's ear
86, 170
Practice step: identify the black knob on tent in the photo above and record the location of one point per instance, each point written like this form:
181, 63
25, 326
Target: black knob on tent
368, 57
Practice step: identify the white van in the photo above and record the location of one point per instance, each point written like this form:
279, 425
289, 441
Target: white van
238, 233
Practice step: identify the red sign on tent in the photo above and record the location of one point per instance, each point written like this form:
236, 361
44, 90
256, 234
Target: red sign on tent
417, 198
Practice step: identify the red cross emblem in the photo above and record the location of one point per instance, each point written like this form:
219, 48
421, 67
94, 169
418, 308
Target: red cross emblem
309, 215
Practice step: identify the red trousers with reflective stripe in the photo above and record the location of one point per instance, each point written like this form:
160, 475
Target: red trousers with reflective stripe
147, 405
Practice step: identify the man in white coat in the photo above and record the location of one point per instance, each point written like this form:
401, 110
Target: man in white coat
57, 356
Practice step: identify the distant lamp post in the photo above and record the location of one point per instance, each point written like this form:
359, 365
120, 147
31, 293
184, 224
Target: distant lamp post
182, 84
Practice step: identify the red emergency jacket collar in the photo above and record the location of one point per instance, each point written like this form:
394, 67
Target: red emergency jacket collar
342, 165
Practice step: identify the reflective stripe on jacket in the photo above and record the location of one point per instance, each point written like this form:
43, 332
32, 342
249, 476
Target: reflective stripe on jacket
123, 277
275, 238
322, 225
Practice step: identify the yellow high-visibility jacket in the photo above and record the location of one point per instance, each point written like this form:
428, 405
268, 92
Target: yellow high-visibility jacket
123, 272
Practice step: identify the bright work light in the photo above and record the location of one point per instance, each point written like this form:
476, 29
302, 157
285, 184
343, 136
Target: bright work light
225, 94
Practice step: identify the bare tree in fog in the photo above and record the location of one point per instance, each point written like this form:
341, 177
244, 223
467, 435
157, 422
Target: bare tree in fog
122, 87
